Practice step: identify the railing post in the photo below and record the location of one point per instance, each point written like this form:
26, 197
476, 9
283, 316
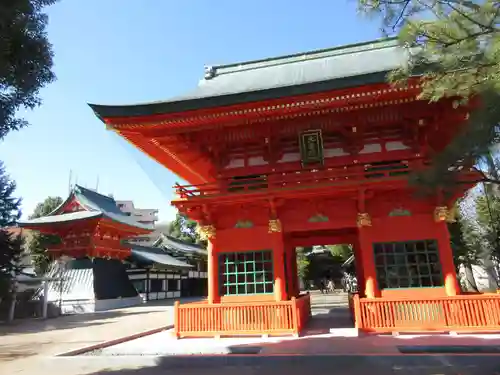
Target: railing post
358, 320
177, 319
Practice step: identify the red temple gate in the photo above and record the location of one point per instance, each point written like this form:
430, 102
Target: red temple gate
311, 148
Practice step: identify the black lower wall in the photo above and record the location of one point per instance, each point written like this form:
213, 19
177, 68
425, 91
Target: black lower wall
111, 280
194, 287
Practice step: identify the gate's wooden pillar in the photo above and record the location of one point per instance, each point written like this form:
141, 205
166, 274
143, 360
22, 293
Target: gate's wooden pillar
367, 258
451, 285
294, 273
278, 265
358, 265
209, 233
291, 271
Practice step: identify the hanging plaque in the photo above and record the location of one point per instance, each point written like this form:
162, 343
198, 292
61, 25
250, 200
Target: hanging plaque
311, 147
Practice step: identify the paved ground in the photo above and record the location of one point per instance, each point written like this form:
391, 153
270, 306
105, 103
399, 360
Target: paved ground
329, 311
26, 342
289, 365
29, 349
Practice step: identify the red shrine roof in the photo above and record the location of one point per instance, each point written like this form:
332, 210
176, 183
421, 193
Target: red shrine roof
299, 74
84, 204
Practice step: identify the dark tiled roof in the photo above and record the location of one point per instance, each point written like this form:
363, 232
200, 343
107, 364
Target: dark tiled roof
94, 201
154, 255
304, 73
96, 204
179, 246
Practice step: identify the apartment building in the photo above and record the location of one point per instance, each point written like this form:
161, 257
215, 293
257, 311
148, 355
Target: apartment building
146, 216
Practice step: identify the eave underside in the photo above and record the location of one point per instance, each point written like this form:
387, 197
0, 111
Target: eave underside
183, 146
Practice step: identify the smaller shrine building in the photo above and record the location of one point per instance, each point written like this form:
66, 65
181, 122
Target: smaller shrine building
99, 264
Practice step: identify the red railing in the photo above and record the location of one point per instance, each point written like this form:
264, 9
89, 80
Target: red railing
458, 313
232, 319
345, 175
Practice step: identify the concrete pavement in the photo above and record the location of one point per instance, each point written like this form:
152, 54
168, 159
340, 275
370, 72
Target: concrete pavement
289, 365
24, 345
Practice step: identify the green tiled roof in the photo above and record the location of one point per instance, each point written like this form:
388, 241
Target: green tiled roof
96, 205
303, 73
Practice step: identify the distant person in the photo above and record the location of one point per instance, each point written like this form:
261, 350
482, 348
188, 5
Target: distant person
322, 286
331, 286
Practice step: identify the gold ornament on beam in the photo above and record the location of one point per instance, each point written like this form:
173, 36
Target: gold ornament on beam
274, 226
318, 218
442, 213
244, 224
364, 220
206, 232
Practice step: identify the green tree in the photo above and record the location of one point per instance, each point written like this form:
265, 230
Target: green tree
342, 251
462, 234
38, 243
185, 229
454, 45
10, 245
25, 59
303, 263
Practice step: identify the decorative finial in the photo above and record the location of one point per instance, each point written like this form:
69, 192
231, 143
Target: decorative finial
209, 72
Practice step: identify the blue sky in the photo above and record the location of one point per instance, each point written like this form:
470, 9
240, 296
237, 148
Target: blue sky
121, 52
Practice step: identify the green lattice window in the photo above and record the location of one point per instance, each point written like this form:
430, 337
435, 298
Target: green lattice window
248, 272
412, 264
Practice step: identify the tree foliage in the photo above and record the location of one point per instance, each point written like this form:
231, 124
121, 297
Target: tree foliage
10, 245
38, 243
463, 237
342, 251
475, 236
303, 263
25, 59
185, 229
455, 46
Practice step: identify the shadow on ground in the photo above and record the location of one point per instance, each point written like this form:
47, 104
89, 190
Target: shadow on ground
24, 326
19, 327
332, 365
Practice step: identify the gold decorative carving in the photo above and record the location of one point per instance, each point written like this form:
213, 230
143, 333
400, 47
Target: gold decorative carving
318, 218
274, 225
244, 224
206, 232
442, 213
452, 215
364, 220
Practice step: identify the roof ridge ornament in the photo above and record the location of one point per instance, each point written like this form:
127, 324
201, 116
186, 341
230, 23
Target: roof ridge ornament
209, 72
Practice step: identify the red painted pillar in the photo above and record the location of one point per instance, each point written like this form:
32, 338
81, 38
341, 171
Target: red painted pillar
358, 264
446, 258
278, 266
291, 273
213, 271
295, 274
367, 257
